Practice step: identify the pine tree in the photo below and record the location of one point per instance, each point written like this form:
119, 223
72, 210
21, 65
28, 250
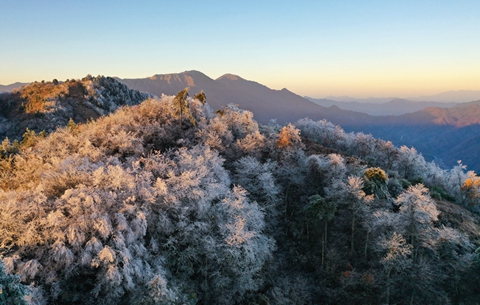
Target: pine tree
182, 107
201, 97
319, 209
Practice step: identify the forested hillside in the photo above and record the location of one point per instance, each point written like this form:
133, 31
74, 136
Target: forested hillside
44, 106
169, 202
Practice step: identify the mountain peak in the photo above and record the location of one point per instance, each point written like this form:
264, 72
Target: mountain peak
191, 77
229, 76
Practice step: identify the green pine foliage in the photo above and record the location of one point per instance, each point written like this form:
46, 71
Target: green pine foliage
12, 291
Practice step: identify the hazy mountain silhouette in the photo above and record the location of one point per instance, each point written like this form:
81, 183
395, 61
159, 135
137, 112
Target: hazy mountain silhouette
266, 104
11, 87
460, 96
395, 106
370, 100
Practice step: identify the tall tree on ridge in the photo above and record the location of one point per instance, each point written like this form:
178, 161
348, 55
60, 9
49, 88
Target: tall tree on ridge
182, 107
201, 97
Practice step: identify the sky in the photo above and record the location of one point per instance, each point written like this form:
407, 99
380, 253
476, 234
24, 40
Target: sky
313, 48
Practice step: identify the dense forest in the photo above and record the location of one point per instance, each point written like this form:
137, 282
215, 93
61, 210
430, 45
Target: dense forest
171, 202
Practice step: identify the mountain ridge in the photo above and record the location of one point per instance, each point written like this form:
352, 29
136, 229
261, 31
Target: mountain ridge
394, 106
434, 131
456, 96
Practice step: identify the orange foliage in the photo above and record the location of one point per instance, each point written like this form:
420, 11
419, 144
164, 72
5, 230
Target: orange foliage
469, 183
38, 94
284, 140
471, 189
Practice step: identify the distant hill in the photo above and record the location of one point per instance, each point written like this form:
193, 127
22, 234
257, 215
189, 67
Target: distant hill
460, 115
369, 100
460, 96
393, 107
46, 105
11, 87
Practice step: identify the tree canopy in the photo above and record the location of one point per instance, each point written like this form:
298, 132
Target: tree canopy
135, 208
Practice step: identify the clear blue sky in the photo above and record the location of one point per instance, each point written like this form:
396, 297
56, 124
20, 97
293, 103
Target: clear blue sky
315, 48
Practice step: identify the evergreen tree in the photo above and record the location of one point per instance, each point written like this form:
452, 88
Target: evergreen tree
12, 291
181, 105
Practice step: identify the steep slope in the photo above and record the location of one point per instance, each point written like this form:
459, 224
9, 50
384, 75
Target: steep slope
467, 151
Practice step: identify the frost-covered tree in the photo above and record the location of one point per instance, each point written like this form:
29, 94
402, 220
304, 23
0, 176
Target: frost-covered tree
201, 97
396, 261
410, 163
288, 136
12, 291
257, 178
471, 190
350, 193
417, 213
325, 133
324, 170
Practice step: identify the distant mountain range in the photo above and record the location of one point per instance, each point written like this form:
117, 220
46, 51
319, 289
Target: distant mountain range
441, 134
459, 96
395, 106
438, 132
266, 104
286, 106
